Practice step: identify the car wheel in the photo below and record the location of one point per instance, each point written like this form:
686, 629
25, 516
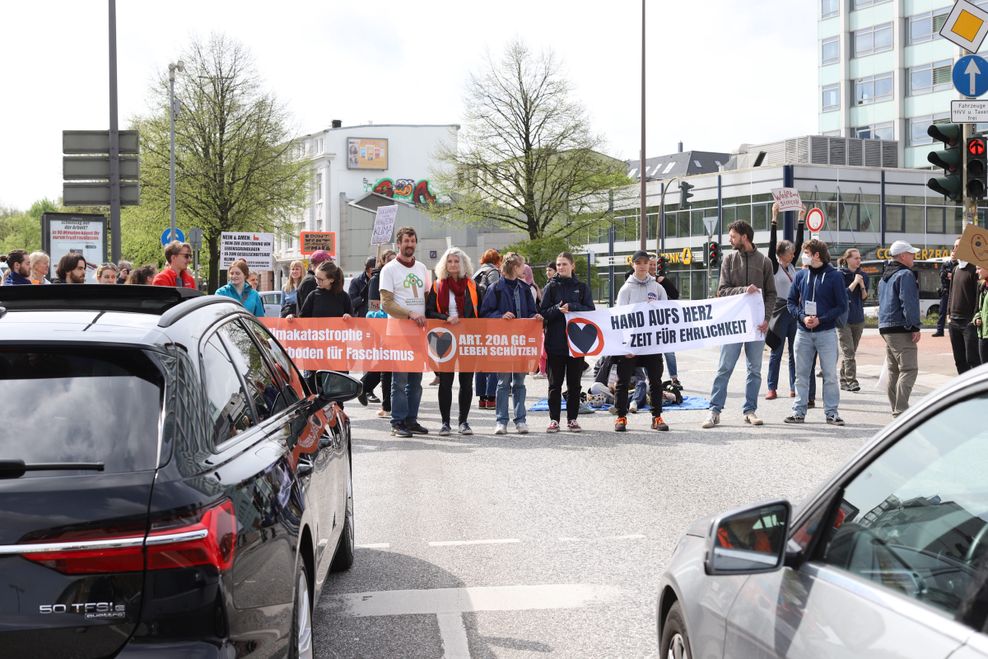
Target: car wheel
675, 643
301, 640
343, 559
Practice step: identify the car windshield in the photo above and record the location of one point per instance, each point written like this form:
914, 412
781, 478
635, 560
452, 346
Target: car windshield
61, 406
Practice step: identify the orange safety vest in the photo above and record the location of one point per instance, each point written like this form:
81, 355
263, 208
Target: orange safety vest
471, 288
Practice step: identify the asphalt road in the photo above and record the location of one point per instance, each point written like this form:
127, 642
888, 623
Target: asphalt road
522, 546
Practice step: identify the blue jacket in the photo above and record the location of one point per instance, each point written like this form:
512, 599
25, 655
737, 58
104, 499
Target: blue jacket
500, 299
825, 285
898, 300
15, 279
251, 300
855, 305
562, 290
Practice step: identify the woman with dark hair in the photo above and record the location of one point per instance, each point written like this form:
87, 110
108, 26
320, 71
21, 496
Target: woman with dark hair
328, 300
142, 276
240, 290
486, 276
71, 270
373, 378
782, 324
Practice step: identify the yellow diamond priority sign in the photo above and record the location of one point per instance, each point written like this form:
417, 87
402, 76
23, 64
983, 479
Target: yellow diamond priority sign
966, 26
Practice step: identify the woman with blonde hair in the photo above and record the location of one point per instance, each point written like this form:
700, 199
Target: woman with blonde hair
40, 264
106, 273
453, 296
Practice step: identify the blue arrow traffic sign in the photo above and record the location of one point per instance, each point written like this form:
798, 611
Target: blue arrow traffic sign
166, 236
970, 75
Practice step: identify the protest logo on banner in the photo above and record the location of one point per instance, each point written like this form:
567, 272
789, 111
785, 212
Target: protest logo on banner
374, 344
648, 328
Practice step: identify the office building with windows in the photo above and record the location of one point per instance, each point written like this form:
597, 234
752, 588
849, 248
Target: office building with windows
885, 71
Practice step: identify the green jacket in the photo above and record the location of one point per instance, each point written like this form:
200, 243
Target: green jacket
982, 311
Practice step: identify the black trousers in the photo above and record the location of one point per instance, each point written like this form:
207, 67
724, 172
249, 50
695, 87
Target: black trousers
446, 395
964, 343
372, 379
653, 365
983, 348
559, 368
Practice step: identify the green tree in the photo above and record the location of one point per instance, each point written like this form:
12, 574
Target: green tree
527, 158
544, 250
22, 229
235, 160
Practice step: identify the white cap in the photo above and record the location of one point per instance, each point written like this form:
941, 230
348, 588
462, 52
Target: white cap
901, 247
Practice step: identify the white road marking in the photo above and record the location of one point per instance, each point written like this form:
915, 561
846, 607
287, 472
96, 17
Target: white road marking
375, 545
606, 538
454, 636
461, 543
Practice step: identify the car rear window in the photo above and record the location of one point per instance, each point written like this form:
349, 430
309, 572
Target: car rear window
79, 405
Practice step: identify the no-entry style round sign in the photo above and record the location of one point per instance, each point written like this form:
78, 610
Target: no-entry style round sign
815, 219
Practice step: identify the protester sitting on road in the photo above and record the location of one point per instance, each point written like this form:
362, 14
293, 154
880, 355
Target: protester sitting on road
176, 273
40, 267
142, 276
899, 323
239, 288
509, 299
817, 299
20, 269
640, 287
485, 384
454, 296
564, 293
782, 324
849, 334
71, 269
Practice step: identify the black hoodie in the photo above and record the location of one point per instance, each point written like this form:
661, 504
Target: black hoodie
562, 290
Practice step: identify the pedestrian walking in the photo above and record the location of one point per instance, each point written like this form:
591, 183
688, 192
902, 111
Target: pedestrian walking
817, 299
981, 315
454, 296
71, 269
509, 299
238, 288
359, 288
486, 276
40, 265
564, 293
20, 269
404, 284
782, 324
371, 379
176, 273
289, 300
743, 271
106, 273
849, 334
899, 324
946, 272
961, 304
640, 287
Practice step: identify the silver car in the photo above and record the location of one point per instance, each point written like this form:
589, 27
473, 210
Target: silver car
888, 559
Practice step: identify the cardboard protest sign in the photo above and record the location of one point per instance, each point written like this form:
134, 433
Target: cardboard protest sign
390, 344
788, 199
648, 328
974, 246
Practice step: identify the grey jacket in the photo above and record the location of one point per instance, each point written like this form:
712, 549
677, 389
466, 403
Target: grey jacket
634, 291
740, 269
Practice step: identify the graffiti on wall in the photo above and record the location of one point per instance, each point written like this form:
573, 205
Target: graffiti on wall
406, 189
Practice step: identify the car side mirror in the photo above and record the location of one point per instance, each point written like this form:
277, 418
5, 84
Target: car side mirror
332, 386
749, 540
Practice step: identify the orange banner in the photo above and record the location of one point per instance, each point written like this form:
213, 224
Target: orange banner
389, 344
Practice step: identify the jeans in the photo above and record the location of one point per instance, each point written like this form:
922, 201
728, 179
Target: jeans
824, 344
786, 328
406, 394
671, 363
564, 367
729, 355
485, 384
463, 398
626, 366
514, 384
964, 343
848, 337
902, 358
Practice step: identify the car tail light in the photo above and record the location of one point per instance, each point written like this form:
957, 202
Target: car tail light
209, 541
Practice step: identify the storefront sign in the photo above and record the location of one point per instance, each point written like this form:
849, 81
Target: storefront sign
64, 233
389, 344
366, 153
255, 248
313, 241
923, 254
668, 326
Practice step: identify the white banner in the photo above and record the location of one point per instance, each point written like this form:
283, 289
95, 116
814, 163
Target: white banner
384, 225
255, 248
648, 328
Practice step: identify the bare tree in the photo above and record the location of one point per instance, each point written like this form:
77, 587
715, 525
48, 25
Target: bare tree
235, 162
528, 158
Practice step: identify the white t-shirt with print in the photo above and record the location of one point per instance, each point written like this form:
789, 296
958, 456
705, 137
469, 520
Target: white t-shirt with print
409, 285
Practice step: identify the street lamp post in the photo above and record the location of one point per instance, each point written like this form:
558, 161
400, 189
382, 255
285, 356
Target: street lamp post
660, 238
172, 68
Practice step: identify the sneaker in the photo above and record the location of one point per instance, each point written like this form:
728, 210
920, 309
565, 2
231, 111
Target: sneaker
795, 418
659, 424
854, 387
501, 429
465, 429
384, 413
373, 399
937, 334
633, 408
552, 427
362, 399
417, 428
751, 418
522, 428
835, 420
573, 426
400, 430
621, 424
771, 395
712, 420
811, 404
445, 430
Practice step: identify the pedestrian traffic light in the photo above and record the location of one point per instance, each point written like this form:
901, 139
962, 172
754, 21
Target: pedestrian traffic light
977, 167
712, 250
948, 159
684, 194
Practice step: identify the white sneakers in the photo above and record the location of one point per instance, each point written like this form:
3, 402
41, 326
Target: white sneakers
501, 429
712, 420
752, 419
522, 428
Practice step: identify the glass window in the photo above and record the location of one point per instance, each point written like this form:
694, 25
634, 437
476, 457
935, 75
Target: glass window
874, 39
895, 219
915, 220
883, 131
873, 89
861, 4
830, 50
829, 8
936, 220
919, 125
831, 97
228, 407
914, 521
930, 77
282, 364
924, 27
263, 389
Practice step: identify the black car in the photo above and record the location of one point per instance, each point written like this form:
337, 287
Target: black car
170, 486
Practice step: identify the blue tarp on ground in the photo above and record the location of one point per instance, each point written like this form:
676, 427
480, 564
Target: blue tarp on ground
689, 403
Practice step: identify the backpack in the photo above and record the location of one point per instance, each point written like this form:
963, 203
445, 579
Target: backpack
485, 280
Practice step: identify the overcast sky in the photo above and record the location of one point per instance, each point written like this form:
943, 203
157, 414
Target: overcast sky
720, 72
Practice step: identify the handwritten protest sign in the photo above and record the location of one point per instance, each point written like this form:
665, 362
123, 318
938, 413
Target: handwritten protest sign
788, 199
390, 344
973, 247
384, 225
667, 326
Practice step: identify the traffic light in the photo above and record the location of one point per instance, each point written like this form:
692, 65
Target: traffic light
977, 167
948, 159
712, 250
684, 194
660, 267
